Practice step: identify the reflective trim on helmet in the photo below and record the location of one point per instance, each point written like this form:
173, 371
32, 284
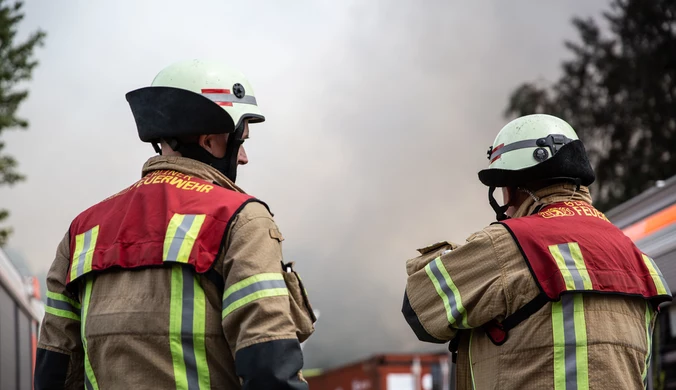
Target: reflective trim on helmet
552, 141
529, 143
224, 96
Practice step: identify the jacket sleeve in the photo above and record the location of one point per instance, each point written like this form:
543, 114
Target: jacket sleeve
453, 287
265, 314
59, 359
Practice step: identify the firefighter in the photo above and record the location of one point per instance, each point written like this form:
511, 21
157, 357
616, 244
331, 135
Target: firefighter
178, 281
551, 297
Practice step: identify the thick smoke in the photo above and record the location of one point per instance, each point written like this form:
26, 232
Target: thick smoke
379, 116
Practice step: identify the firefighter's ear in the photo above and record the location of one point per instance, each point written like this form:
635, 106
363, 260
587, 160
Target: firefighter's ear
506, 195
205, 141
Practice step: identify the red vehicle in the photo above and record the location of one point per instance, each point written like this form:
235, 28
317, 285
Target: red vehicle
21, 312
388, 372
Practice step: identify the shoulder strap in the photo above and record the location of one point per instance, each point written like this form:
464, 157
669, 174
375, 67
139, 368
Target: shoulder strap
497, 332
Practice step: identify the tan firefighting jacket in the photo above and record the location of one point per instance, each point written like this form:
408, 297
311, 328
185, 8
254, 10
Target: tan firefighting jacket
489, 279
126, 322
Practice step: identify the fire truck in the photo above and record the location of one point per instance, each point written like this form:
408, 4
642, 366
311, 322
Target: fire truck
649, 219
21, 312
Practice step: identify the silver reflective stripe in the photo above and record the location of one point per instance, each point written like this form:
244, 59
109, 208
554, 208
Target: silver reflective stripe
177, 241
252, 288
528, 143
570, 264
455, 313
230, 98
61, 305
85, 248
569, 337
186, 328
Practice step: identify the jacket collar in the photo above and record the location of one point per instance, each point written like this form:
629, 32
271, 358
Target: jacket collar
188, 166
553, 194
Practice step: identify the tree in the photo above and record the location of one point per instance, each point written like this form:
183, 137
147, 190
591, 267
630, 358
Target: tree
618, 93
16, 66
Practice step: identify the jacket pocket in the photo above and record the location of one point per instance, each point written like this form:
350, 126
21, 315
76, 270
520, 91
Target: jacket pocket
301, 310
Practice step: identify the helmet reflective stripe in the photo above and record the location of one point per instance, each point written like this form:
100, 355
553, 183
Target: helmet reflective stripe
516, 145
223, 97
551, 141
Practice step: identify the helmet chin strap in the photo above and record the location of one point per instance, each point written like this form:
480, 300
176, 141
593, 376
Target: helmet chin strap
227, 164
499, 210
229, 169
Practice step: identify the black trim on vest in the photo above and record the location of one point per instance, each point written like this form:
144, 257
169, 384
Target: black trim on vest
511, 233
215, 278
213, 275
271, 365
51, 369
414, 322
537, 209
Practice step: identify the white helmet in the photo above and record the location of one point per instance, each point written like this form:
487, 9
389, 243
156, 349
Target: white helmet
222, 84
532, 149
528, 141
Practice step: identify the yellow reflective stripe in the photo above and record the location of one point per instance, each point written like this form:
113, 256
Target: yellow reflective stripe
471, 369
75, 261
649, 343
90, 253
580, 264
85, 244
174, 223
559, 346
251, 289
62, 313
571, 365
181, 235
175, 320
199, 339
273, 292
449, 293
561, 263
190, 238
581, 355
61, 297
251, 280
187, 330
62, 306
660, 284
90, 378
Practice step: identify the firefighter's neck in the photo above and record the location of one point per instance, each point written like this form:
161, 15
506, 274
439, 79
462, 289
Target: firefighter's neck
514, 197
168, 151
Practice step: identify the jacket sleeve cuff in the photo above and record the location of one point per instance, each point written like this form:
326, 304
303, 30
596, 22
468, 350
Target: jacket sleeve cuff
272, 365
415, 324
51, 369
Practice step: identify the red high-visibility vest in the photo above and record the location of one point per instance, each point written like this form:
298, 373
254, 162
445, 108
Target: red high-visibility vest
572, 247
166, 217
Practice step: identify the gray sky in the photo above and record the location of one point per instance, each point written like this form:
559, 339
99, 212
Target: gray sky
379, 115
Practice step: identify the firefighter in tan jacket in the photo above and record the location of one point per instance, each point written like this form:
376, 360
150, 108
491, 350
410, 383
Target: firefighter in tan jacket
551, 297
178, 281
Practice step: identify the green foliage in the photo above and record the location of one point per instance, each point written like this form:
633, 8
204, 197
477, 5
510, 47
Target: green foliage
618, 93
16, 66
